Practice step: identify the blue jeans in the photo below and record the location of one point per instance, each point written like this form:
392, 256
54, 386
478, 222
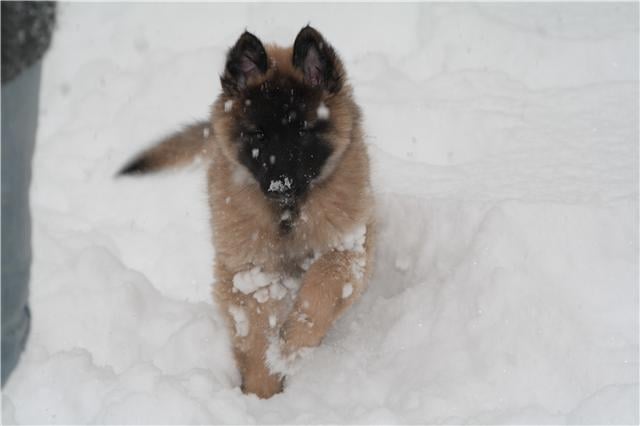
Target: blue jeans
19, 123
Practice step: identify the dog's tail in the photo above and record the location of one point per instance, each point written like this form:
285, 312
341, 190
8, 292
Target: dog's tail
178, 149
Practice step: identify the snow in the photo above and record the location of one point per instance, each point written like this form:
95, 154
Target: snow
306, 263
504, 147
251, 280
357, 267
277, 291
402, 263
240, 176
280, 185
273, 320
322, 112
228, 105
261, 295
255, 152
354, 240
262, 285
291, 283
347, 290
282, 364
241, 321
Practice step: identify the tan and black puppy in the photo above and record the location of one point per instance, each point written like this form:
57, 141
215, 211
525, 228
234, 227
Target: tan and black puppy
290, 196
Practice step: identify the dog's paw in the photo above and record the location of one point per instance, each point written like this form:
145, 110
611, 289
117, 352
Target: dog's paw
281, 361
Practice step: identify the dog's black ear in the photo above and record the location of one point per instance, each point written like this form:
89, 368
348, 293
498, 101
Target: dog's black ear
317, 60
245, 60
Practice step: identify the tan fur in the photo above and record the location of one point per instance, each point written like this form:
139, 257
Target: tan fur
175, 150
247, 235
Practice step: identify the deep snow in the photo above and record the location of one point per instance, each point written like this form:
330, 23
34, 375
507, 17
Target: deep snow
504, 141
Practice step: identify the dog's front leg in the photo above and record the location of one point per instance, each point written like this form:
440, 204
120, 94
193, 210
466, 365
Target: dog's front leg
330, 286
251, 324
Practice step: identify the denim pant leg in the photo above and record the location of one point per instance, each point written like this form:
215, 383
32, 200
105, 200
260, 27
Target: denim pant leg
19, 123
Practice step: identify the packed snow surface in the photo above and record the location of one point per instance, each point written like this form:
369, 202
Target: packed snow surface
504, 146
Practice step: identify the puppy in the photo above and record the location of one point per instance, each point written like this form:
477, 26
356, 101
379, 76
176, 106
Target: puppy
290, 198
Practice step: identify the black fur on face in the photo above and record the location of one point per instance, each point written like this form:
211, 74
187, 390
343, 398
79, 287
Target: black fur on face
282, 141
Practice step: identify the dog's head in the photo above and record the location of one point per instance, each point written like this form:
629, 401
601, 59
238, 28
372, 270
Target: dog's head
285, 115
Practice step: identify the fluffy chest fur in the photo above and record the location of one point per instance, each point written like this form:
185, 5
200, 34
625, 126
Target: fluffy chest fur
248, 228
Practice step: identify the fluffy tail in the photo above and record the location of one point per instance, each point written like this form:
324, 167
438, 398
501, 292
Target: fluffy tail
178, 149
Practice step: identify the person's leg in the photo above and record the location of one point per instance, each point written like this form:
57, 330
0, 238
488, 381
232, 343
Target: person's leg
19, 123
